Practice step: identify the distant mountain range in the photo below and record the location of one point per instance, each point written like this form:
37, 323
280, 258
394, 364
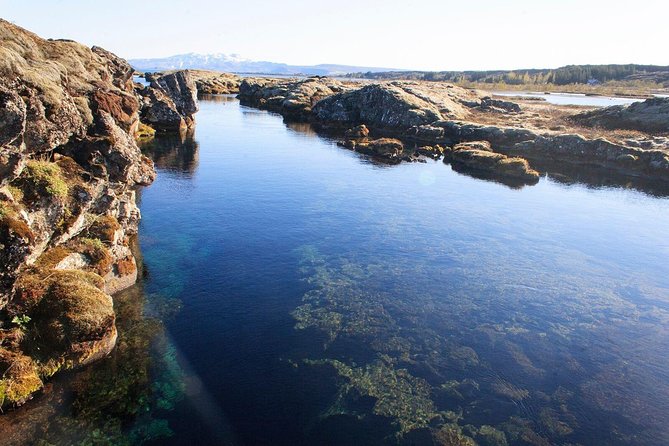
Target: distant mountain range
234, 63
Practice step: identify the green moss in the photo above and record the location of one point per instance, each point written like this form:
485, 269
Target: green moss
399, 395
451, 435
19, 378
16, 192
46, 178
489, 436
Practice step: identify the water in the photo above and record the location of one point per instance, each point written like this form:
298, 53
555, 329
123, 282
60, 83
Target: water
572, 98
298, 293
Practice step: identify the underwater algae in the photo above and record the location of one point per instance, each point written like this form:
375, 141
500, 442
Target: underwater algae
473, 364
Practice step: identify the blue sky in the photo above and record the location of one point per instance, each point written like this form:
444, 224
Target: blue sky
418, 34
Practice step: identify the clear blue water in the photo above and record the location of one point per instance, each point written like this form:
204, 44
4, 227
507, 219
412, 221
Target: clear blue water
298, 293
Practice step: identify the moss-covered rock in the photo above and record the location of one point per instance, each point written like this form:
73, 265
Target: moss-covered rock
18, 378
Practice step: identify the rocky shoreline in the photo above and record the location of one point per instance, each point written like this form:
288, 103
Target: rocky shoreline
434, 117
70, 167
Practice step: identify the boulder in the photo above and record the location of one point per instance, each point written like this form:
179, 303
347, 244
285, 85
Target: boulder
381, 106
360, 131
498, 105
214, 82
395, 106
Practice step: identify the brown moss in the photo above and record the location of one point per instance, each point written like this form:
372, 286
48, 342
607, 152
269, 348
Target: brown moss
52, 257
126, 266
74, 309
29, 289
11, 225
103, 228
93, 248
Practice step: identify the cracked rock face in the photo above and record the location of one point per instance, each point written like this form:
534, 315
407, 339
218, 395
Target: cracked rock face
169, 103
69, 167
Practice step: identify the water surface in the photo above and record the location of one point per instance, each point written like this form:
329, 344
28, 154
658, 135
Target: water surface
572, 98
298, 293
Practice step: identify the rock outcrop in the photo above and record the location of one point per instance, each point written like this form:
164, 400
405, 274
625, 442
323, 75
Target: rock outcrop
69, 168
291, 98
214, 82
169, 102
651, 115
435, 114
478, 157
388, 149
395, 106
631, 157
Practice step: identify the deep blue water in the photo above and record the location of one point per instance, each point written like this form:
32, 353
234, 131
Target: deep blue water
303, 294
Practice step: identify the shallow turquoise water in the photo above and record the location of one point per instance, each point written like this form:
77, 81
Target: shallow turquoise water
297, 293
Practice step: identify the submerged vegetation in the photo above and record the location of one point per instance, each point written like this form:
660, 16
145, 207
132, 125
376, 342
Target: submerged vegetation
437, 359
114, 401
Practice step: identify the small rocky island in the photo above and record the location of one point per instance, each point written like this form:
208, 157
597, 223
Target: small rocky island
70, 166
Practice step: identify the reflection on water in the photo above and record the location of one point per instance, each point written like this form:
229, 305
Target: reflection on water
297, 293
173, 152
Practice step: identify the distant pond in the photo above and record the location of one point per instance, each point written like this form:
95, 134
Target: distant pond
572, 98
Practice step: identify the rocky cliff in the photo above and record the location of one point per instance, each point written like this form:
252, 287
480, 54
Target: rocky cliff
69, 170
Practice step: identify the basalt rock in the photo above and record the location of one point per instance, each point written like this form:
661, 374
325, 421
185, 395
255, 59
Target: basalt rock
651, 115
214, 82
383, 106
294, 99
388, 149
477, 156
648, 157
69, 167
169, 102
360, 131
435, 113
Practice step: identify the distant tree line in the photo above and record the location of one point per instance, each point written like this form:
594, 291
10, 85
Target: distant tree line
571, 74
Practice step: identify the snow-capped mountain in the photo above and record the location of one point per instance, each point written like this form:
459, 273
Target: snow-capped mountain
235, 63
